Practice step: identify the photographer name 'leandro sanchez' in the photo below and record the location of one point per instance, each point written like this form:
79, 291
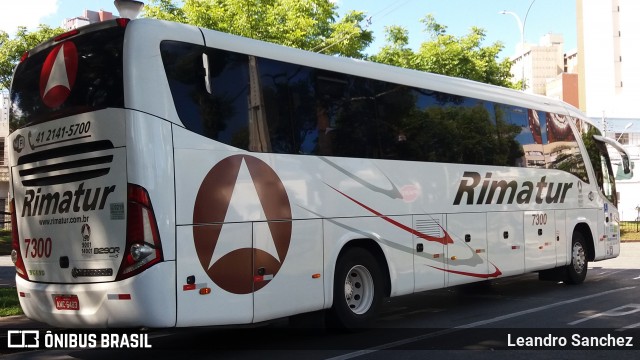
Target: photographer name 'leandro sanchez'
574, 341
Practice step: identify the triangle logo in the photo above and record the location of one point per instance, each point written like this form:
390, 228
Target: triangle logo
58, 74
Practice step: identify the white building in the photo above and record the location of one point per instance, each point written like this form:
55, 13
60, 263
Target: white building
536, 63
608, 46
89, 17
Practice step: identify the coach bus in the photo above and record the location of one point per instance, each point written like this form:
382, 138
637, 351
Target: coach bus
164, 175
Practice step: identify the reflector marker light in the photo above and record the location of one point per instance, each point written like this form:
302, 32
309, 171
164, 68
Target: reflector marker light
205, 291
261, 278
119, 296
189, 287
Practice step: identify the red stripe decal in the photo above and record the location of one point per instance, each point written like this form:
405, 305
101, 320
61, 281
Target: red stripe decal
444, 240
482, 276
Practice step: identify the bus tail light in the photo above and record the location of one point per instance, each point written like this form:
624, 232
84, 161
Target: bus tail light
16, 256
143, 248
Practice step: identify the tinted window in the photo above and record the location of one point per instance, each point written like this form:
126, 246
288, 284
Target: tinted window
561, 150
265, 105
220, 113
596, 151
98, 82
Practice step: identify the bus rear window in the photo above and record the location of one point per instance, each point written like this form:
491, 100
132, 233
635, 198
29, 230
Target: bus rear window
78, 75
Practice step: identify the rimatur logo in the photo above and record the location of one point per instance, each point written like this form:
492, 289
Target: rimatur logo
237, 270
58, 74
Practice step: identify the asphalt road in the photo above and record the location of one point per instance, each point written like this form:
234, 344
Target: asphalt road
455, 323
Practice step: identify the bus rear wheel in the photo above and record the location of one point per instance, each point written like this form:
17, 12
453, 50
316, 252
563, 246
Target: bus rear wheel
357, 290
577, 269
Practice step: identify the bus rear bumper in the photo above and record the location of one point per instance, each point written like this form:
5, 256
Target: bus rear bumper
145, 300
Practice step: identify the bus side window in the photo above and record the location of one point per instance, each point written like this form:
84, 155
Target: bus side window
219, 110
183, 68
561, 149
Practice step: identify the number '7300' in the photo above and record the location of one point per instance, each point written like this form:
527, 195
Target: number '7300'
37, 248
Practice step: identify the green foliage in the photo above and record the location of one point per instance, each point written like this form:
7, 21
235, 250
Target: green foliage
11, 49
303, 24
442, 53
311, 25
9, 303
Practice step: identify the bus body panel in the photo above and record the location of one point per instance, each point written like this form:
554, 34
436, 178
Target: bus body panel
150, 164
505, 235
148, 90
577, 218
71, 206
393, 240
432, 256
540, 240
561, 240
147, 300
467, 255
216, 308
232, 209
354, 206
293, 286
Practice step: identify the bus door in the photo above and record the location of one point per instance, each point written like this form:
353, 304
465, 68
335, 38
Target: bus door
608, 215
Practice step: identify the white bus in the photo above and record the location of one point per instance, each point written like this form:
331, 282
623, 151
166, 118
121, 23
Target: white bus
166, 175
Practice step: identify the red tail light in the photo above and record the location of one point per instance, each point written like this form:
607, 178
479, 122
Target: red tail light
16, 255
122, 22
24, 56
143, 248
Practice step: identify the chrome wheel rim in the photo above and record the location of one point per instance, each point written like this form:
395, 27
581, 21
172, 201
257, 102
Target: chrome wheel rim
358, 289
579, 258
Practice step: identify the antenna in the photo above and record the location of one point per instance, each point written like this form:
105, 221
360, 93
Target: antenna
129, 9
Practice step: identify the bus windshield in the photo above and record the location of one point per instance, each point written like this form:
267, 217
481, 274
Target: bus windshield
78, 73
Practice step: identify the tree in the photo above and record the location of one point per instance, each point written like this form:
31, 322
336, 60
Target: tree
304, 24
12, 49
463, 56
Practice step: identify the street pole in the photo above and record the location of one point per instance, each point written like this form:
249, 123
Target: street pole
521, 25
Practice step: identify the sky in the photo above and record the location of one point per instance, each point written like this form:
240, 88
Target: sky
543, 17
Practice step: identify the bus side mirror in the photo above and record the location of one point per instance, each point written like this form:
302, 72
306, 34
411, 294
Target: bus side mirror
625, 164
616, 145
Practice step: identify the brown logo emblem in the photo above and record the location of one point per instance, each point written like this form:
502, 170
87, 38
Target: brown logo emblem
241, 270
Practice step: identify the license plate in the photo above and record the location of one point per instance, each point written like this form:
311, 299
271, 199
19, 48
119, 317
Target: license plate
67, 302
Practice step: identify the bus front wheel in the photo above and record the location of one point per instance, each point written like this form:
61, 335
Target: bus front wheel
357, 290
577, 270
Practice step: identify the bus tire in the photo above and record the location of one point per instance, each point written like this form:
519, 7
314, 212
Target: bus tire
577, 269
357, 291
